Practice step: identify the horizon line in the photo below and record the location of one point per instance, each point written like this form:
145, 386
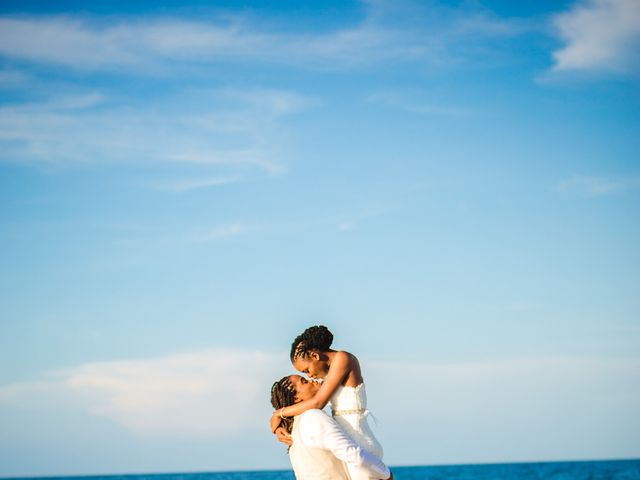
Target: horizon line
204, 472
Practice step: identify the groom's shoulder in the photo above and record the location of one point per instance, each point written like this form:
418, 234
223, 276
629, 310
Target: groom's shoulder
313, 414
313, 423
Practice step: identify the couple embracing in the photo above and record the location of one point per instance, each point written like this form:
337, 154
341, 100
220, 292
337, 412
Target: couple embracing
322, 447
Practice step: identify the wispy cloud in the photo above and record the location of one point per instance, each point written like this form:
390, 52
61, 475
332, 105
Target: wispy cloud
11, 78
390, 31
219, 128
599, 35
150, 244
596, 186
186, 185
345, 226
221, 231
226, 131
415, 104
207, 393
186, 393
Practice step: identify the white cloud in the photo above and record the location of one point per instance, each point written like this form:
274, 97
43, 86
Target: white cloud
186, 185
596, 186
274, 102
224, 132
390, 31
205, 393
218, 391
213, 128
81, 43
13, 78
222, 231
415, 104
599, 35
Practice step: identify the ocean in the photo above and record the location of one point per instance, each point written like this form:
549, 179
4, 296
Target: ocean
597, 470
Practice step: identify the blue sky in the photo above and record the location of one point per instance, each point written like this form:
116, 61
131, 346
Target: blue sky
451, 187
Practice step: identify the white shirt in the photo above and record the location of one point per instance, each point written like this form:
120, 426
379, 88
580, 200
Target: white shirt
319, 430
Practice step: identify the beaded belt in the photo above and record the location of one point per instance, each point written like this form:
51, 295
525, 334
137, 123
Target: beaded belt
348, 412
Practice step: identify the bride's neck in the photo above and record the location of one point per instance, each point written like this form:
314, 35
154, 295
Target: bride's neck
329, 354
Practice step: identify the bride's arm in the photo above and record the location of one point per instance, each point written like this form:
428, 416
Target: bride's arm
340, 368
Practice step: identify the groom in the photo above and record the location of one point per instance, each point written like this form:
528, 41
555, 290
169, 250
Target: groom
321, 450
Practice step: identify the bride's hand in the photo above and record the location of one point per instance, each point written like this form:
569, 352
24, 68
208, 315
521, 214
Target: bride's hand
283, 436
274, 422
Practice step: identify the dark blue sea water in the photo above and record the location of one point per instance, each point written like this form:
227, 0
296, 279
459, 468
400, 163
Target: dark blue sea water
601, 470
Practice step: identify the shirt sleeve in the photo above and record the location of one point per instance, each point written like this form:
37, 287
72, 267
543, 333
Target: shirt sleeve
319, 430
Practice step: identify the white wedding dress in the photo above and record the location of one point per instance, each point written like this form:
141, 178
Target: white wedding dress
349, 409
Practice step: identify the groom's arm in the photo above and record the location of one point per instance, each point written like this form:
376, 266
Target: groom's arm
319, 430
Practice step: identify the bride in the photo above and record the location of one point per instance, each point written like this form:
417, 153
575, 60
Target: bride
342, 388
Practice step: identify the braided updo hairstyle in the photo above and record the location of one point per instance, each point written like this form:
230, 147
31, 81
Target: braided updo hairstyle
313, 338
283, 394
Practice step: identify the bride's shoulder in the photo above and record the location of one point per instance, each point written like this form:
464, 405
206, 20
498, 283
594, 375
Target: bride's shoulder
346, 357
344, 354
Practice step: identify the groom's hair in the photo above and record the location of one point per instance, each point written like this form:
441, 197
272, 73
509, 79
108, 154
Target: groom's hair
283, 394
313, 338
